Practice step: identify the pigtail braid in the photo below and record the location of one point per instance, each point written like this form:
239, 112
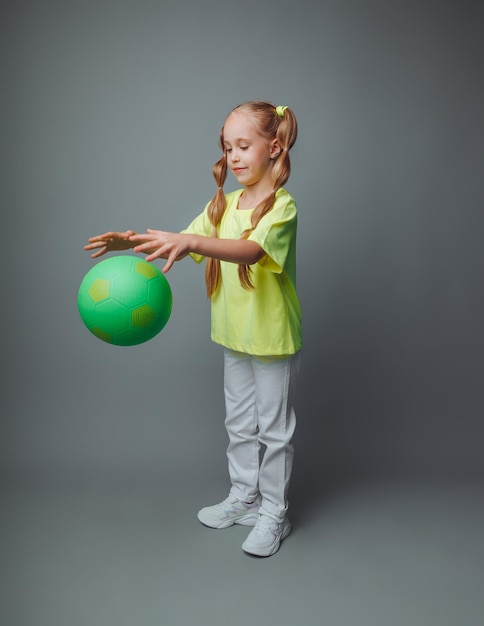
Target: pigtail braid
215, 212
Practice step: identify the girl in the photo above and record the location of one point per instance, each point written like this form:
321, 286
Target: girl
248, 238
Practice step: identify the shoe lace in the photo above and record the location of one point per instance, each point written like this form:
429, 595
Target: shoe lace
266, 525
227, 504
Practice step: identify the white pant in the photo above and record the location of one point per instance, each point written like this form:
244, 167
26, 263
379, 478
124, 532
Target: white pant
259, 402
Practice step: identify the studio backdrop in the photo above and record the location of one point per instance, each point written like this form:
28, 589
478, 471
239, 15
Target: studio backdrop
110, 119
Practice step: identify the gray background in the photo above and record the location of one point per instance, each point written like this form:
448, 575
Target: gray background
110, 116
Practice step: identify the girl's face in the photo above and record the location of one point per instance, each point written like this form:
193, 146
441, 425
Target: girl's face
249, 154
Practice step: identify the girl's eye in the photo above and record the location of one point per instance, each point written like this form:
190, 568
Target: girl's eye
228, 150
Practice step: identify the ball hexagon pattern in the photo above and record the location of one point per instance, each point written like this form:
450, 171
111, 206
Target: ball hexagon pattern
124, 300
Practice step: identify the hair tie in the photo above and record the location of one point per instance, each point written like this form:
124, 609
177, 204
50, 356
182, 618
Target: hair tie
280, 110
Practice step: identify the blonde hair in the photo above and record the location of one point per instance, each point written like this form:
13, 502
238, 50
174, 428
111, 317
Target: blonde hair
271, 125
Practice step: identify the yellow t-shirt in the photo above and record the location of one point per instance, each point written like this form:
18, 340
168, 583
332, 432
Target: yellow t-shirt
265, 321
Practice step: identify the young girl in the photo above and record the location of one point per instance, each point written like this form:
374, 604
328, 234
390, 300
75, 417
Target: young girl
248, 238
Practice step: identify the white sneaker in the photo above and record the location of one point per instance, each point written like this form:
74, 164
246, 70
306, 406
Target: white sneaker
266, 536
230, 511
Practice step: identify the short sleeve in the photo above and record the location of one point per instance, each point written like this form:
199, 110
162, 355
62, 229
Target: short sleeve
276, 233
201, 225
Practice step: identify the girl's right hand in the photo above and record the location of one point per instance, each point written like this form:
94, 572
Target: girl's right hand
109, 242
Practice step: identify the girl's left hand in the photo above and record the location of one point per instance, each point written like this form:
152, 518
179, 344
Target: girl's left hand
158, 244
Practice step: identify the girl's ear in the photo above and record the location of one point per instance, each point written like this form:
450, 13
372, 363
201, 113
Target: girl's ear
275, 149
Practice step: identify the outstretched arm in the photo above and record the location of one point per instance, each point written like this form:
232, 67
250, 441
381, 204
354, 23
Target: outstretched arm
174, 246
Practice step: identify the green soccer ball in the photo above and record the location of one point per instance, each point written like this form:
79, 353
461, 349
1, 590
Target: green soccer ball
124, 300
